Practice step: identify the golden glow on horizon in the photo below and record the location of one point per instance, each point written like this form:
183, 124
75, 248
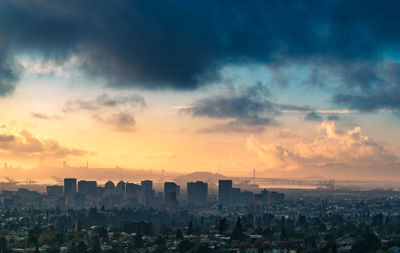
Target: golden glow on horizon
166, 139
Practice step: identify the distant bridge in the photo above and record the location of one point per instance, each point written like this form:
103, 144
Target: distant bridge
325, 184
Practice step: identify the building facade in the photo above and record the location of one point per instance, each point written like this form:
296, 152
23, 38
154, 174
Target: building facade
197, 193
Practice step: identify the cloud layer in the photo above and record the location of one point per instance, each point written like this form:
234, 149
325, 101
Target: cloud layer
105, 101
183, 45
22, 144
245, 109
122, 121
329, 147
44, 116
114, 112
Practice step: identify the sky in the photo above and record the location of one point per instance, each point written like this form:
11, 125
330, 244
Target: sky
292, 88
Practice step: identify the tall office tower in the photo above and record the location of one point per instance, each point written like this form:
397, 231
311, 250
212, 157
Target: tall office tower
225, 192
276, 197
148, 192
88, 188
178, 192
82, 187
121, 187
235, 194
79, 201
69, 187
171, 192
197, 193
109, 186
54, 190
264, 195
132, 190
147, 185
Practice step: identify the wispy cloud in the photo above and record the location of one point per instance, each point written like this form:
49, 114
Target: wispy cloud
159, 155
313, 116
49, 66
327, 111
113, 112
44, 116
183, 107
122, 121
105, 101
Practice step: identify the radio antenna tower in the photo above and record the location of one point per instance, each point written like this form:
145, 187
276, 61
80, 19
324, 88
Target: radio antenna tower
254, 175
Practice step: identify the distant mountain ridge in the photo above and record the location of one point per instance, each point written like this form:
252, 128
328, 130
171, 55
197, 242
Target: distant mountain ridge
200, 176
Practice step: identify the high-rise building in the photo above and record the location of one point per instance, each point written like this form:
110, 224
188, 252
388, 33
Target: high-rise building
246, 198
148, 192
87, 188
79, 201
225, 192
70, 187
132, 190
197, 193
54, 190
264, 196
121, 186
109, 186
235, 194
147, 185
60, 202
276, 197
171, 193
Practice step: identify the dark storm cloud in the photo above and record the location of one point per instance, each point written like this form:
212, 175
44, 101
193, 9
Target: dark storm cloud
333, 117
247, 103
184, 44
313, 116
9, 73
382, 91
246, 109
380, 98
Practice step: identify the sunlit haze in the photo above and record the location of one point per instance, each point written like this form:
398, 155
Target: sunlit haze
290, 90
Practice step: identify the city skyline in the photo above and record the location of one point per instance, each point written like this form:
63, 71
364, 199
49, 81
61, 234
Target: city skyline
295, 89
209, 126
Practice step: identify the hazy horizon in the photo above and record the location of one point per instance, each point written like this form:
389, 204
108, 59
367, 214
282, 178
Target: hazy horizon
295, 90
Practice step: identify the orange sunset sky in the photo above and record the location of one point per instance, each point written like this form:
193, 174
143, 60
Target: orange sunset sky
195, 88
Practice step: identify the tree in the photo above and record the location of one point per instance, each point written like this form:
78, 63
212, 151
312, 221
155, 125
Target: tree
79, 224
138, 240
96, 248
46, 238
185, 246
81, 247
203, 248
237, 233
32, 238
189, 230
283, 233
161, 248
179, 235
3, 245
222, 225
103, 233
368, 242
